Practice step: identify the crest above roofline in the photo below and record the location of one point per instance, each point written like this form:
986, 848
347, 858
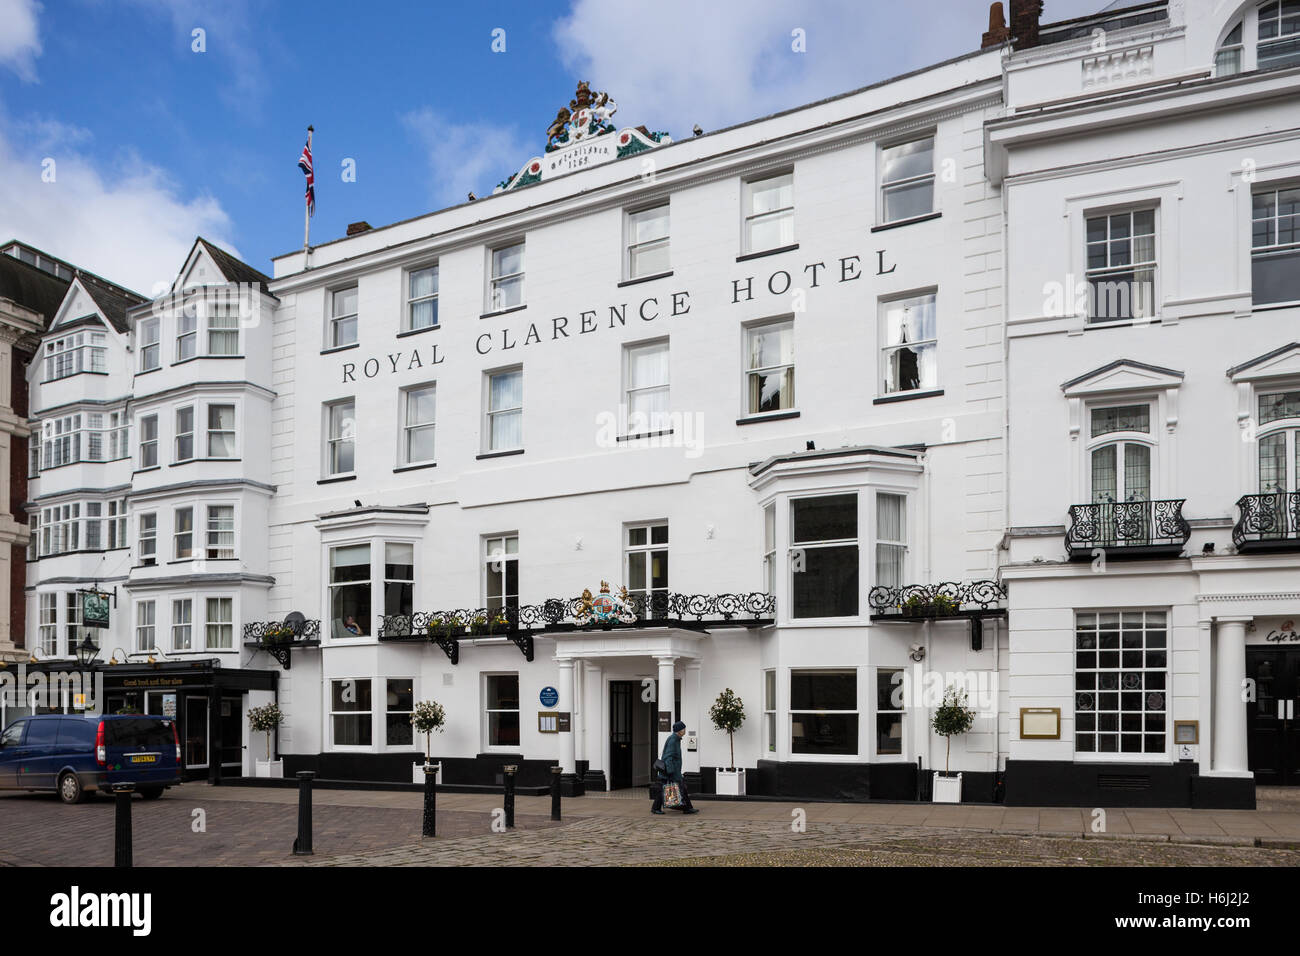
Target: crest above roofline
583, 135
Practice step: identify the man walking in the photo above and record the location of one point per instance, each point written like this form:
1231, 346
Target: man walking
672, 758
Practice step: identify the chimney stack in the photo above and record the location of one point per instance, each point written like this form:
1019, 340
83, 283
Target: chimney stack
998, 33
356, 228
1025, 15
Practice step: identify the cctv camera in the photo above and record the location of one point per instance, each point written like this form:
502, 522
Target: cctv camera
917, 652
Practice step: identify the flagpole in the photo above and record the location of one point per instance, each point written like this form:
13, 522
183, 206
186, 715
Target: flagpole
306, 210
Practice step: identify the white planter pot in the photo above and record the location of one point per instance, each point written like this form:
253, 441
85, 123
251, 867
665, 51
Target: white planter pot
730, 783
269, 768
946, 789
417, 773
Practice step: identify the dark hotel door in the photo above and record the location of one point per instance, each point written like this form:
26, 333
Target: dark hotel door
1273, 718
621, 696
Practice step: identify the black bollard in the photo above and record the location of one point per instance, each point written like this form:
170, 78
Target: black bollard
122, 851
509, 771
302, 844
555, 792
430, 800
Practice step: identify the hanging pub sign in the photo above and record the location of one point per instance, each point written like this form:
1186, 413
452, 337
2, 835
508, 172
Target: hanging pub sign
94, 609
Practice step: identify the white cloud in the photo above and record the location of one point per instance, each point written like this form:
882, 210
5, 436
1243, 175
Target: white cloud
678, 62
467, 156
20, 42
120, 218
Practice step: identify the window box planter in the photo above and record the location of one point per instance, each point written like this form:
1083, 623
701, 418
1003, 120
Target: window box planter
730, 783
946, 788
417, 773
269, 768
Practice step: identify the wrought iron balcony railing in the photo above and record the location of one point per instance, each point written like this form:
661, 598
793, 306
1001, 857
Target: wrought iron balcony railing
1127, 529
278, 638
1268, 522
947, 599
520, 623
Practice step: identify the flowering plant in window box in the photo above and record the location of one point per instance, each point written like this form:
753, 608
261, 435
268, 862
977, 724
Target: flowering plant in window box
444, 625
278, 634
264, 720
427, 717
489, 623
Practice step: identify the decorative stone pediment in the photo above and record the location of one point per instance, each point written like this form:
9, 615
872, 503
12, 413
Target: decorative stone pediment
1279, 363
1122, 375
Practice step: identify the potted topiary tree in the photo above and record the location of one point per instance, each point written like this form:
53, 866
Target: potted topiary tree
728, 714
952, 717
427, 717
264, 720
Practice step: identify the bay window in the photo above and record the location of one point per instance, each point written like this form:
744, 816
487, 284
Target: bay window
221, 532
221, 431
184, 434
220, 623
891, 539
183, 533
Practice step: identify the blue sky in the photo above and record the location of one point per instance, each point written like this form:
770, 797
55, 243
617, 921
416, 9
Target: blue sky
153, 142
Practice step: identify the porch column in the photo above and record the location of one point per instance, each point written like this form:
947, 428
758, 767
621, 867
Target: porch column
664, 700
1229, 708
593, 721
570, 785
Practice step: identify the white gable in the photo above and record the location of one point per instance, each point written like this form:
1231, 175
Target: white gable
76, 304
1285, 362
200, 269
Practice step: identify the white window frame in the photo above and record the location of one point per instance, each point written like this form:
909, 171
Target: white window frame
887, 348
653, 424
749, 218
48, 623
408, 308
224, 625
796, 546
648, 549
1144, 756
187, 335
495, 279
1280, 38
877, 712
791, 713
222, 315
232, 431
408, 427
147, 533
496, 550
150, 344
749, 371
1275, 247
331, 713
902, 545
336, 320
184, 621
631, 219
146, 625
332, 441
220, 532
489, 412
1107, 272
177, 458
417, 742
893, 185
771, 740
177, 533
149, 443
488, 746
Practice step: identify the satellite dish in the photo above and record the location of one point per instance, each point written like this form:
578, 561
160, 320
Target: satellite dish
296, 620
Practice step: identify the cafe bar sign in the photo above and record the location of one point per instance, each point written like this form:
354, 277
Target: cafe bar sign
94, 608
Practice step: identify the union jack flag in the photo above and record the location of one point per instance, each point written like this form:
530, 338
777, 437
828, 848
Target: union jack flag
304, 163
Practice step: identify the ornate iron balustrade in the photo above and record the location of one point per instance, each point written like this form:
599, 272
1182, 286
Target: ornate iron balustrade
278, 638
1127, 529
935, 600
1268, 522
522, 622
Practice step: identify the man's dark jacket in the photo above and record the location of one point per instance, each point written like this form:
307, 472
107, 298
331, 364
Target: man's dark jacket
673, 757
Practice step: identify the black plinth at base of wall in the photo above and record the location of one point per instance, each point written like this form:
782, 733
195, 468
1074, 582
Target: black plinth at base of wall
571, 785
483, 770
850, 783
695, 781
594, 780
1063, 783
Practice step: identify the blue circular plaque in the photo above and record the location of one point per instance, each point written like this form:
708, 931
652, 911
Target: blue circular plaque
549, 696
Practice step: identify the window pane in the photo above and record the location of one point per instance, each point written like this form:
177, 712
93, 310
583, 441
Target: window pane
824, 733
907, 160
424, 282
507, 430
1275, 277
506, 391
909, 368
648, 225
826, 518
345, 302
508, 261
828, 584
771, 194
823, 690
909, 201
771, 392
647, 366
503, 691
771, 232
649, 260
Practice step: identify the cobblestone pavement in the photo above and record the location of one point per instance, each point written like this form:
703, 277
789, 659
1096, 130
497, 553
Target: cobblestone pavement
38, 830
256, 826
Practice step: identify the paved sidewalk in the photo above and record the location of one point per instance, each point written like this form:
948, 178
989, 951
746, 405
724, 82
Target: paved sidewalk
1266, 827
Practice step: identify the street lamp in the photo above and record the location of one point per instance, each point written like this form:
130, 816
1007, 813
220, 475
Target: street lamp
87, 652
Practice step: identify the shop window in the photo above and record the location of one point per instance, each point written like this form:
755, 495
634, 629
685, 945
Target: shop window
1120, 680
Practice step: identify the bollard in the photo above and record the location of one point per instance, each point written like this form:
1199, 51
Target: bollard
430, 800
555, 792
122, 850
509, 771
302, 844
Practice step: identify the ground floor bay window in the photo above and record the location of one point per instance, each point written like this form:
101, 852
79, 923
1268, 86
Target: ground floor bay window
824, 712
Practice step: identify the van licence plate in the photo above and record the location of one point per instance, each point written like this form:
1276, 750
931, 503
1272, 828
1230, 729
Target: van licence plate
144, 758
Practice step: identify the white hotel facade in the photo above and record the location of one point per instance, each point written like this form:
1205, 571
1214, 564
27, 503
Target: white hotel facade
800, 386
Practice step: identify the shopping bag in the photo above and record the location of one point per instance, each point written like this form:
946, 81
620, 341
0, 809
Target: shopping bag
672, 795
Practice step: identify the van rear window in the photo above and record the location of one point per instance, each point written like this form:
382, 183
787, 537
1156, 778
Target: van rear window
74, 731
147, 732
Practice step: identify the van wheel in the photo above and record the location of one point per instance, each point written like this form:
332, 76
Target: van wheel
151, 793
70, 789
